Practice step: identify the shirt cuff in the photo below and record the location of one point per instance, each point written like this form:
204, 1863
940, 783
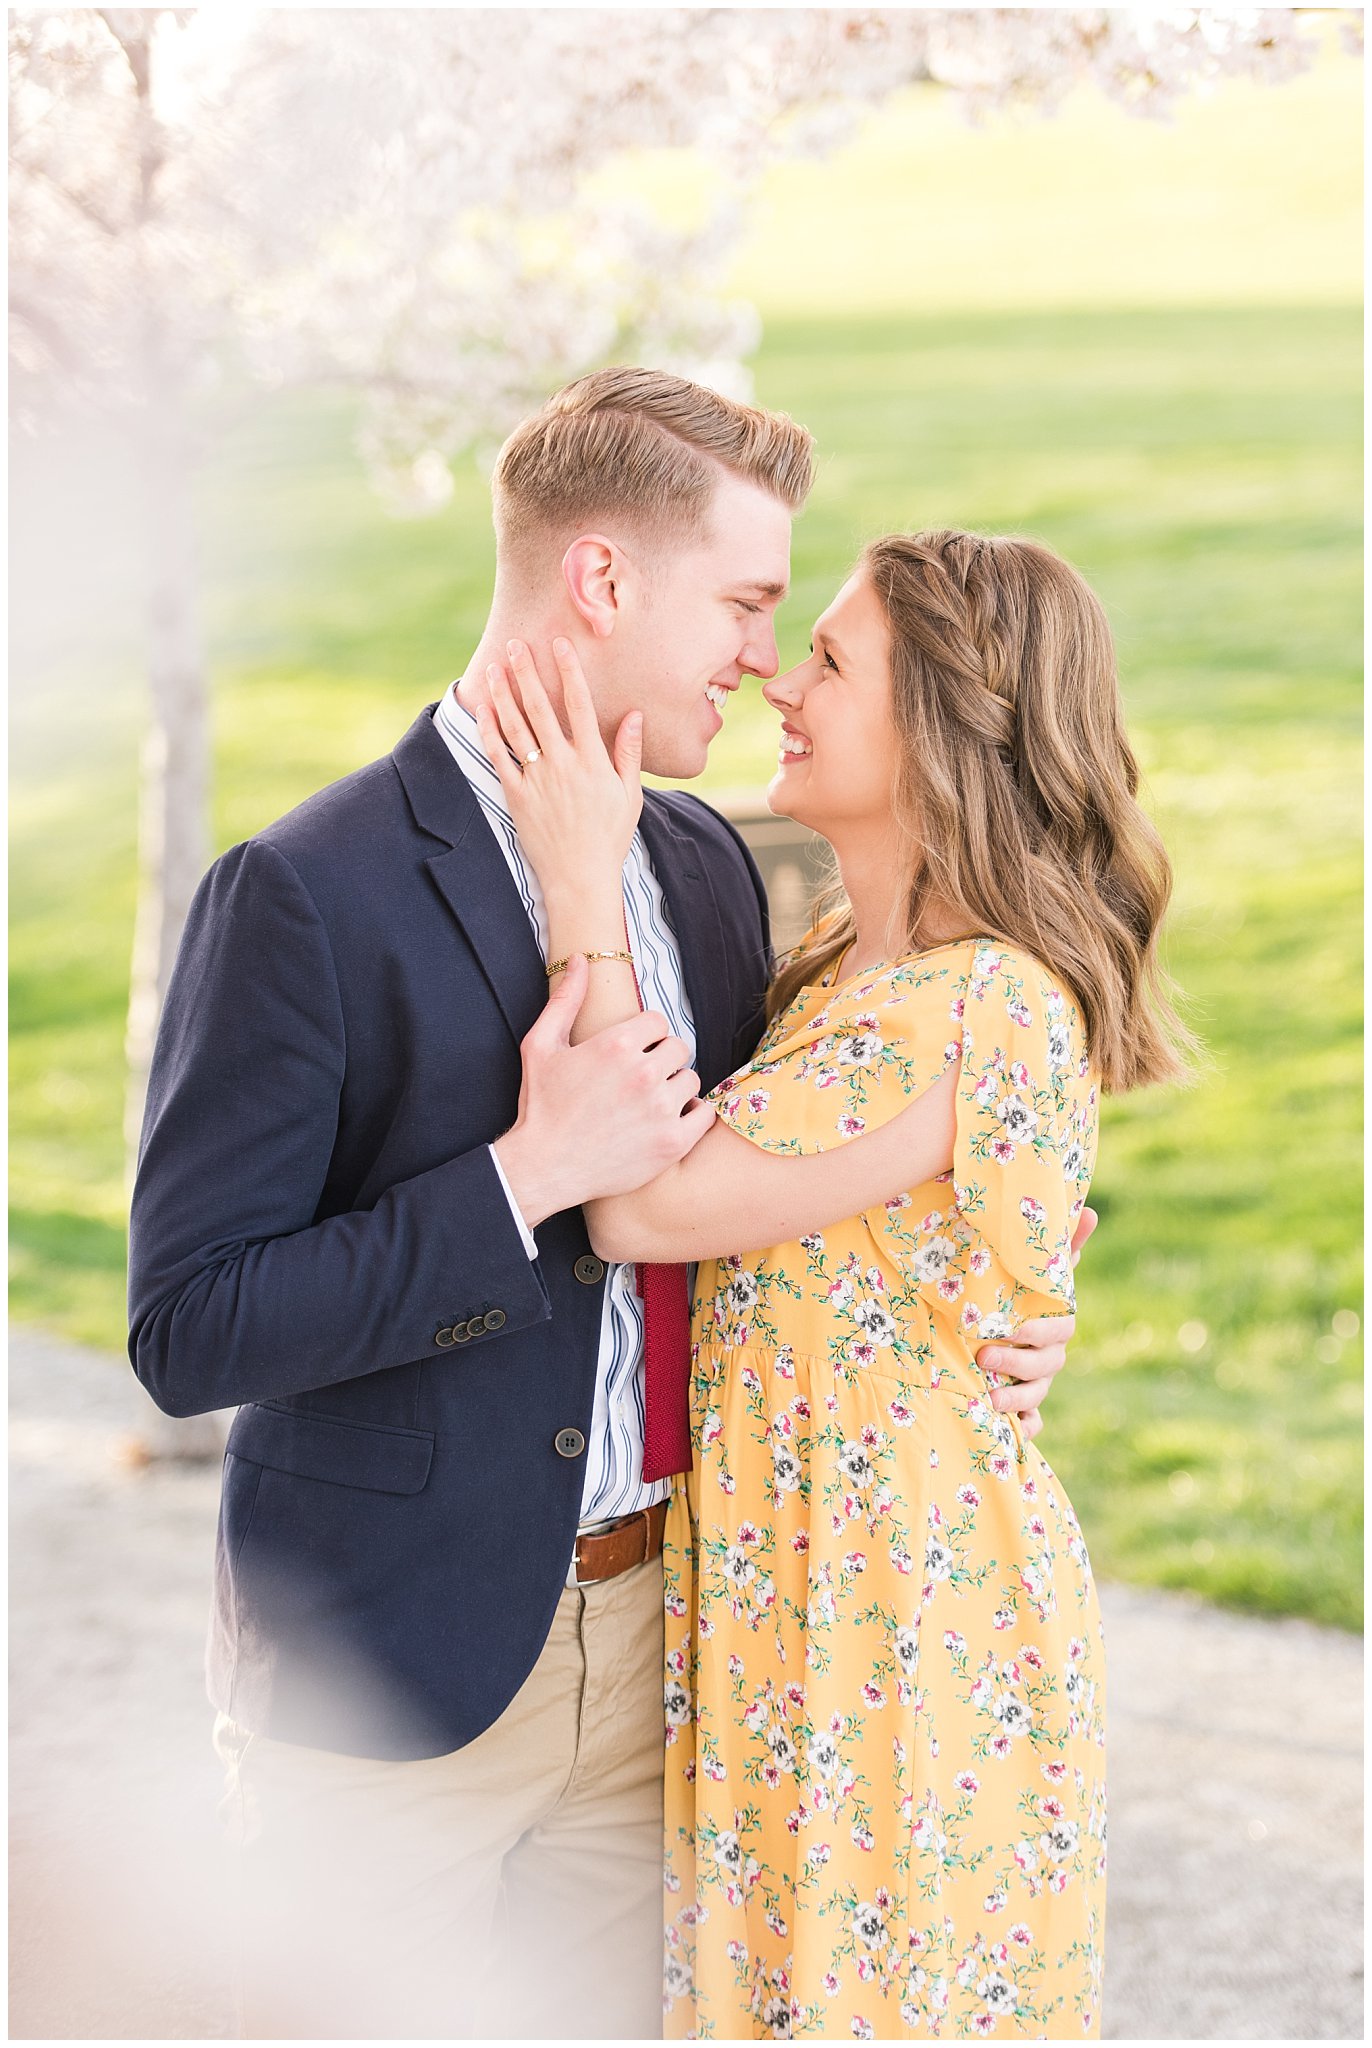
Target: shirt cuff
530, 1247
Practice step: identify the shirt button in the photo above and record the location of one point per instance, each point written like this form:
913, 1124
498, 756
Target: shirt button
589, 1269
569, 1443
494, 1319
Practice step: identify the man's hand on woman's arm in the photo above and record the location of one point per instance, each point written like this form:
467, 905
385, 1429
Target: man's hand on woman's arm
1030, 1362
601, 1117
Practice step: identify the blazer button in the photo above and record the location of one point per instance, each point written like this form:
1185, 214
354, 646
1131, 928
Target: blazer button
461, 1333
445, 1337
589, 1269
494, 1319
569, 1443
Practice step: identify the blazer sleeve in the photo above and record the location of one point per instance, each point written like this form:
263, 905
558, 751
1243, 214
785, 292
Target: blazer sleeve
237, 1292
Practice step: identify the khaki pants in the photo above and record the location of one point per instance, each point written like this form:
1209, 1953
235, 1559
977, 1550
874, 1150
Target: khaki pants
512, 1889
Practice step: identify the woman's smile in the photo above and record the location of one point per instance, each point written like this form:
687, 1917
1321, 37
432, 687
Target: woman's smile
795, 745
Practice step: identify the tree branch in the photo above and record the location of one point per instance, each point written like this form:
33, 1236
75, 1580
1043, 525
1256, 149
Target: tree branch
40, 323
84, 207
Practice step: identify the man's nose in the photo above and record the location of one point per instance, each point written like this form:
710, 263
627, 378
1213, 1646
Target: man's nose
760, 655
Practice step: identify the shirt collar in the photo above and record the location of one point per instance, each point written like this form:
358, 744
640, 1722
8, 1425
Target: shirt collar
457, 727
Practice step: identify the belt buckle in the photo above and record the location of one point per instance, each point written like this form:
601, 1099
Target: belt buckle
576, 1559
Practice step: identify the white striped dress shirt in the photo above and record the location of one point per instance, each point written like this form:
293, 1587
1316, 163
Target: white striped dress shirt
614, 1482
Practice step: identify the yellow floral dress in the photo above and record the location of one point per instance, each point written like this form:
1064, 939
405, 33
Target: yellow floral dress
885, 1789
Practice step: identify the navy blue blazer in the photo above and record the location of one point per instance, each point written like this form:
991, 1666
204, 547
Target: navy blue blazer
315, 1210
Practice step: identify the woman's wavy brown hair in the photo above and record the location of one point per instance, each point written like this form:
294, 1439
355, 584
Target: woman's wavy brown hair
1017, 789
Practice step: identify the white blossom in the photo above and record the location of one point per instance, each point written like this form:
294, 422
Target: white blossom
405, 201
427, 207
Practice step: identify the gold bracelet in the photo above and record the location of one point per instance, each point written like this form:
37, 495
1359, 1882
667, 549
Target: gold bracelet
558, 965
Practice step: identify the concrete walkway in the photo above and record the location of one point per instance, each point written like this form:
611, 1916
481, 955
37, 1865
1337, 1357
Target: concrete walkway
1235, 1821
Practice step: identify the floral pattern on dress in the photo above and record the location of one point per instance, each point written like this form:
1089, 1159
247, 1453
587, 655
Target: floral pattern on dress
885, 1680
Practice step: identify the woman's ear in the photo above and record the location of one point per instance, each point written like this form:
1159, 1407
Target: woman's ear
590, 570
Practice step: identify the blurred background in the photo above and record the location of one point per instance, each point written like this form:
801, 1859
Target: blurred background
1138, 340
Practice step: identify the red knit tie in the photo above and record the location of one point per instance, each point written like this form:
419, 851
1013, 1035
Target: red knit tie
666, 1371
666, 1355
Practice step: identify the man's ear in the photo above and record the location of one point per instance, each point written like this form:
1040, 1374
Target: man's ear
591, 570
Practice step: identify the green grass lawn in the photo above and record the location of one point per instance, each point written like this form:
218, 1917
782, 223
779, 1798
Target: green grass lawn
1201, 467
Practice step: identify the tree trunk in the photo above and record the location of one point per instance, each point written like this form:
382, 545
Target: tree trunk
173, 798
173, 794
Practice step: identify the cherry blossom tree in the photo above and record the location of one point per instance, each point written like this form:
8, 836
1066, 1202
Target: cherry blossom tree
398, 202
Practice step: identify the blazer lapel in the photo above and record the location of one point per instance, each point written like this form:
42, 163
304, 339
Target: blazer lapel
706, 960
471, 874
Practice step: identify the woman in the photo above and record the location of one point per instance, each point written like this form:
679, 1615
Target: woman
885, 1686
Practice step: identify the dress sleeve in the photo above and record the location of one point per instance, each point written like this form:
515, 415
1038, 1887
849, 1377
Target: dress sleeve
824, 1075
1026, 1120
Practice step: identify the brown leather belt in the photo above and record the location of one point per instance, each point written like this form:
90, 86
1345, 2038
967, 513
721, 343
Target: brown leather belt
632, 1540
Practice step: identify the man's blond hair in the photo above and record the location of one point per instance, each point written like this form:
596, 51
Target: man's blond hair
641, 451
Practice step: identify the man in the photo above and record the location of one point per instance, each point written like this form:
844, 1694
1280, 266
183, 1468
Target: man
436, 1639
